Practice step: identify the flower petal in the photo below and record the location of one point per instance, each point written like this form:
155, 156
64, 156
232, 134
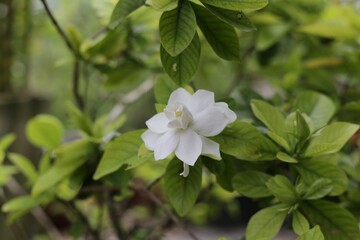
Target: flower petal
158, 123
210, 122
189, 148
230, 114
210, 148
201, 100
150, 138
166, 144
181, 96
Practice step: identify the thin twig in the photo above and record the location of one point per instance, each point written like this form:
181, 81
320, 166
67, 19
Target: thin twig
76, 72
113, 216
58, 28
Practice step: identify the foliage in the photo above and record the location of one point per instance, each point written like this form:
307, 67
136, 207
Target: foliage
294, 152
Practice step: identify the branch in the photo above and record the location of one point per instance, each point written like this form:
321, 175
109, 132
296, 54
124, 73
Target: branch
76, 74
58, 28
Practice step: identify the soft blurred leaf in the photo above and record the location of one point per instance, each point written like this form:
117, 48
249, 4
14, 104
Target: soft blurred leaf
237, 4
163, 88
319, 189
282, 189
300, 224
25, 166
162, 5
122, 9
45, 131
313, 234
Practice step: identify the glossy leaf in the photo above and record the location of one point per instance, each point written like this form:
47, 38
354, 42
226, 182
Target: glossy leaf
300, 224
285, 157
313, 169
251, 184
335, 221
123, 150
319, 189
313, 234
183, 66
266, 223
317, 106
237, 19
182, 192
282, 189
244, 141
238, 4
220, 35
177, 28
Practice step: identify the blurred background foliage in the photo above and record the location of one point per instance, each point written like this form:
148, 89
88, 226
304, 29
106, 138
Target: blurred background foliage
297, 45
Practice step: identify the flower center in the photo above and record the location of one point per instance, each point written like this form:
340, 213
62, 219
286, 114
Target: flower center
178, 115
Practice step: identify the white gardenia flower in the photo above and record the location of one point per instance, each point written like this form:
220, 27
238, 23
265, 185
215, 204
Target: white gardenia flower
184, 126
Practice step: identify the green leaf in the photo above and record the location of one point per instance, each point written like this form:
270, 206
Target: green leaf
266, 223
270, 116
20, 203
331, 139
303, 129
162, 5
122, 150
70, 186
232, 166
319, 189
214, 166
5, 173
183, 66
237, 4
313, 234
24, 165
177, 28
220, 35
313, 169
6, 141
45, 131
279, 140
317, 106
244, 141
235, 18
182, 192
251, 184
336, 222
122, 9
68, 158
300, 224
285, 157
282, 189
163, 88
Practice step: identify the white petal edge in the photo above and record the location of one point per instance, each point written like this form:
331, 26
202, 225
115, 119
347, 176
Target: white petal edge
150, 139
166, 144
189, 148
210, 122
230, 114
158, 123
210, 148
181, 96
186, 170
201, 100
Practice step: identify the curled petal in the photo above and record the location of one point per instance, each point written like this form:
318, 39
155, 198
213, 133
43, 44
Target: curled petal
150, 139
166, 144
158, 123
186, 170
189, 148
230, 114
181, 96
210, 148
210, 122
201, 100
